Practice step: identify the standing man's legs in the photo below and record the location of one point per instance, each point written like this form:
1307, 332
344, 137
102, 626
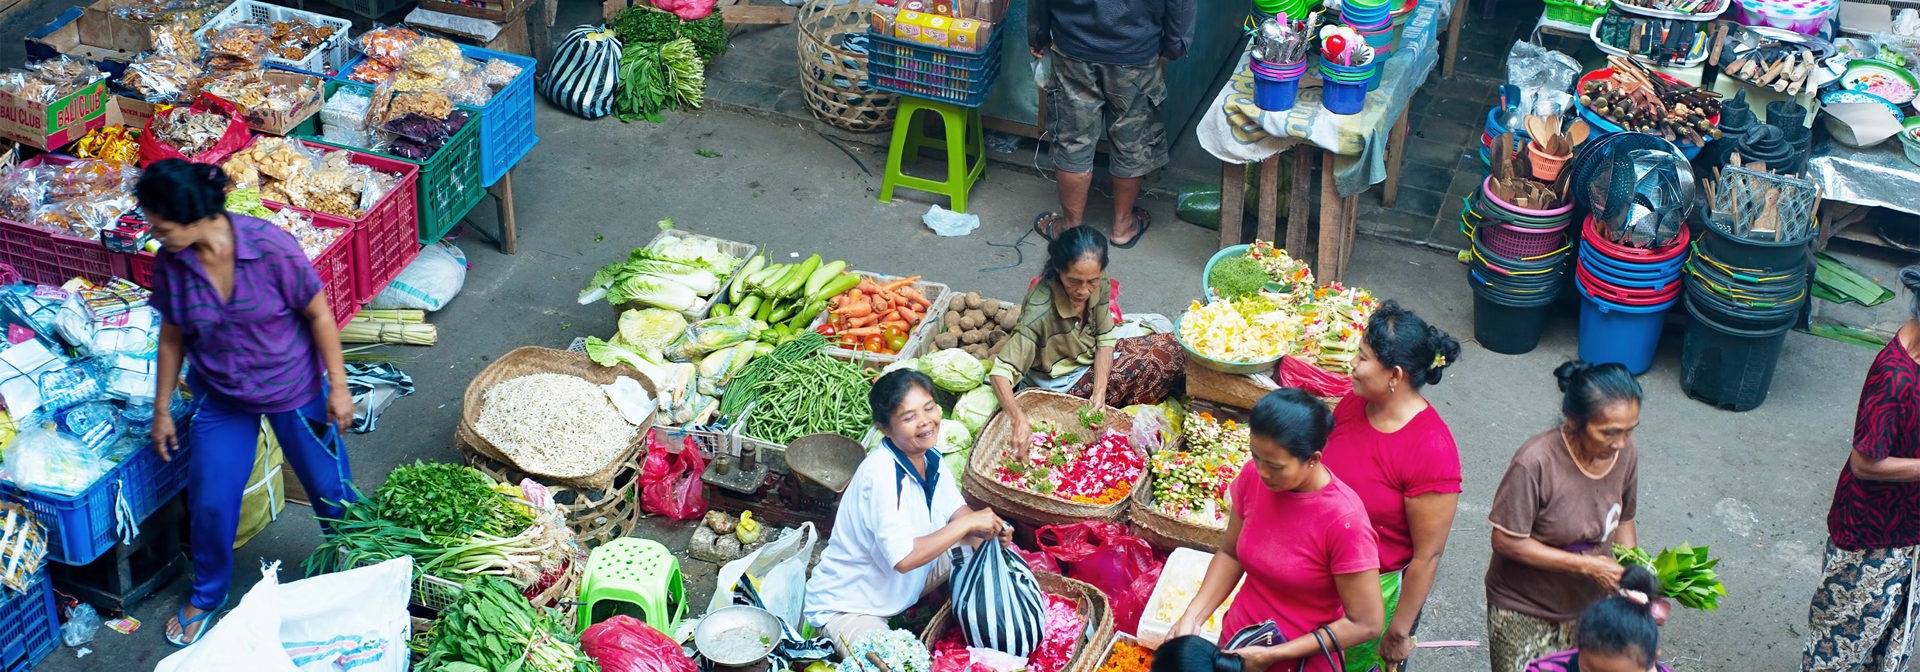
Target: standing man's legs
1074, 101
1134, 94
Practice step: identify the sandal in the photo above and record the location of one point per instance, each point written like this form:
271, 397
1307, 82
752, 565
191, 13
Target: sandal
1053, 221
180, 617
1144, 221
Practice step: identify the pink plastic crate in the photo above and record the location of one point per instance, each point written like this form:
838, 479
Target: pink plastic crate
387, 237
48, 258
334, 266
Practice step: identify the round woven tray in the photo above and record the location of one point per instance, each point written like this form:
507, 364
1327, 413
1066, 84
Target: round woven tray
596, 515
531, 360
1166, 532
1093, 608
997, 440
834, 78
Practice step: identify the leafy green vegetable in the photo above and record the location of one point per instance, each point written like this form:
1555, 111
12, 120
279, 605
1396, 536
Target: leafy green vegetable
1685, 573
975, 407
491, 626
653, 290
650, 329
1092, 419
1237, 276
701, 253
954, 370
448, 501
645, 25
643, 91
614, 354
686, 74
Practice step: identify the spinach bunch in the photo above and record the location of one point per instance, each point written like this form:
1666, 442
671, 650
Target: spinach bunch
447, 501
491, 627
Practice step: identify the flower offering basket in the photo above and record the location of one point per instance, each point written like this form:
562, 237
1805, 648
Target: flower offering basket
999, 439
1093, 608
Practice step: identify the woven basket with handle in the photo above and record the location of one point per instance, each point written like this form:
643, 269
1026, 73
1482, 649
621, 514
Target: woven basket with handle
528, 361
1093, 609
998, 440
833, 77
1167, 532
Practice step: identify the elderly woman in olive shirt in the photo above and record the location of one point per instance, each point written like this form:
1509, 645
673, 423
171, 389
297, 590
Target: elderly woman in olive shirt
1065, 341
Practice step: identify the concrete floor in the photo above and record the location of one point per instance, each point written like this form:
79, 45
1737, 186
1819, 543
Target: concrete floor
1754, 485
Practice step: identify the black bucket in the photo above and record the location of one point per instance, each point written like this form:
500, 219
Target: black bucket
1754, 254
1725, 366
1508, 325
1740, 315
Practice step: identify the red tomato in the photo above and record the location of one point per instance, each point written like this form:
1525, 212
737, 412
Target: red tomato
875, 344
828, 330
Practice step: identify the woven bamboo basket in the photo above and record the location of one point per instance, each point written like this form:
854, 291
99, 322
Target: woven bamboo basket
1093, 608
1229, 389
833, 77
596, 516
532, 360
997, 440
1166, 532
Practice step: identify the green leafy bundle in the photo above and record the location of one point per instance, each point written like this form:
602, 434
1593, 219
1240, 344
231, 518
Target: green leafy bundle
1685, 573
1237, 276
646, 25
492, 627
448, 501
656, 77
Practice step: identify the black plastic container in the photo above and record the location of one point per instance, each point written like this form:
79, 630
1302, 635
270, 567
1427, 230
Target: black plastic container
1507, 325
1740, 316
1754, 254
1724, 366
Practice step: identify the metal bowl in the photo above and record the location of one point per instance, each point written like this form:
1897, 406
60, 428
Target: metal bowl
737, 636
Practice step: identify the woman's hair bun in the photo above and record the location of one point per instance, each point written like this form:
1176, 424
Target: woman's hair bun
1570, 373
1910, 276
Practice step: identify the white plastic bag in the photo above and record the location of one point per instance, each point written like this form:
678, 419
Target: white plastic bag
358, 616
429, 283
780, 571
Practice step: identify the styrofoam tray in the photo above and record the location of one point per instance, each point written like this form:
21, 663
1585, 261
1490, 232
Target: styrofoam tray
1181, 578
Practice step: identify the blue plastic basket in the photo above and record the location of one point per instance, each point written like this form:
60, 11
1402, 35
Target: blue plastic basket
81, 528
506, 121
933, 73
29, 626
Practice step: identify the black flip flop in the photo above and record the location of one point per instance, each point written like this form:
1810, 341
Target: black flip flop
1041, 218
1145, 221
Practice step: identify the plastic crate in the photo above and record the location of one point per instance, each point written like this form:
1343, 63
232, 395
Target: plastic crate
82, 527
934, 73
48, 258
323, 60
711, 443
29, 626
384, 238
449, 182
739, 250
937, 296
1573, 12
335, 265
506, 125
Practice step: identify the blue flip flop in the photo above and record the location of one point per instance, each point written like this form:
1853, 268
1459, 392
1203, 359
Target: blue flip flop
181, 616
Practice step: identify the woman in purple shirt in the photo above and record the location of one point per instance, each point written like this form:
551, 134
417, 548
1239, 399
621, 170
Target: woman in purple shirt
239, 298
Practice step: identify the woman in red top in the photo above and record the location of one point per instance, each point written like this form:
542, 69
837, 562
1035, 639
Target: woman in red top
1391, 447
1863, 612
1308, 553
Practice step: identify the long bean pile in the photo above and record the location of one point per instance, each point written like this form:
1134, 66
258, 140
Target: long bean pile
749, 382
815, 395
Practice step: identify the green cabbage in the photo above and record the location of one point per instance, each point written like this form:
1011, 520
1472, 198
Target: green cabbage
954, 370
653, 291
650, 329
954, 437
975, 407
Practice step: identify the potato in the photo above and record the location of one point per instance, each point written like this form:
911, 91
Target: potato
996, 337
978, 316
951, 319
978, 352
958, 302
1009, 317
973, 337
946, 341
968, 322
973, 300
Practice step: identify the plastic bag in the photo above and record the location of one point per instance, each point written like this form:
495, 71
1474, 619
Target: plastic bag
229, 140
43, 459
998, 603
1106, 556
429, 282
778, 572
355, 619
585, 72
709, 335
670, 484
1319, 382
388, 45
1038, 561
81, 626
1536, 68
625, 644
1151, 429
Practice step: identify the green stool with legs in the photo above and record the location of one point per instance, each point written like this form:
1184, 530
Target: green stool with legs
637, 577
963, 142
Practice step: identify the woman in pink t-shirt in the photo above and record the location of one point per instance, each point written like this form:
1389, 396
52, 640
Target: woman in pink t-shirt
1308, 553
1391, 447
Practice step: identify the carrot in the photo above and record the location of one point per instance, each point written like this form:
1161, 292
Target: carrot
919, 301
855, 309
861, 331
868, 320
869, 286
909, 291
903, 282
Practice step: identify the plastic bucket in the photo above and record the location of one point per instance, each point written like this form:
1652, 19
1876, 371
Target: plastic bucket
1623, 334
1754, 254
1626, 295
1739, 315
1274, 95
1343, 97
1495, 205
1545, 167
1727, 366
1512, 241
1633, 277
1278, 70
1509, 326
1590, 233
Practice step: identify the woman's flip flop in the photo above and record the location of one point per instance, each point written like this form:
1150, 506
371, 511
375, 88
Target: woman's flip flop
1048, 231
180, 616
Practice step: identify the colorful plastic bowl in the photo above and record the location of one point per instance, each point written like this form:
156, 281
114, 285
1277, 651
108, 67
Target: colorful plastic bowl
1881, 79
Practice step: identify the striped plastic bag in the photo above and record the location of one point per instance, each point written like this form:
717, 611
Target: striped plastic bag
584, 72
998, 603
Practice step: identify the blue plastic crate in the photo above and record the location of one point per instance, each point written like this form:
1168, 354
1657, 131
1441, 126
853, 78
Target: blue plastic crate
933, 73
81, 528
506, 121
29, 625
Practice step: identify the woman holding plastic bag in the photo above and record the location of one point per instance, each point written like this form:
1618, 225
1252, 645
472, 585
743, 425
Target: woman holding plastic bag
1301, 539
898, 522
239, 299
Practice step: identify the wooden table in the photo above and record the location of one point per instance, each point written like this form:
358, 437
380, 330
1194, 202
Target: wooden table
503, 235
1333, 245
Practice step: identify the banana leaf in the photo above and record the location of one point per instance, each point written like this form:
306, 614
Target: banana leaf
1834, 280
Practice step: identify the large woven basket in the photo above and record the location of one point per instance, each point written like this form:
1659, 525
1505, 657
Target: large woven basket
596, 516
998, 440
833, 77
532, 360
1093, 609
1166, 532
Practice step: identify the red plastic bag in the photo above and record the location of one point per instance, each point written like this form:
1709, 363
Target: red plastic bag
624, 644
1036, 560
670, 484
232, 140
1109, 558
1295, 372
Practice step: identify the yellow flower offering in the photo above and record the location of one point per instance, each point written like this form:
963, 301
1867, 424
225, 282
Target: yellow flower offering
1247, 329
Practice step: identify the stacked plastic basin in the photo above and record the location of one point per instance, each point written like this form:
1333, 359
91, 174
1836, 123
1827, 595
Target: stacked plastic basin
1517, 268
1495, 130
1743, 295
1373, 19
1345, 86
1275, 85
1625, 292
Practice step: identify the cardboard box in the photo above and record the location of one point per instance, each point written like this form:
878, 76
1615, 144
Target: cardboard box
924, 28
50, 126
277, 123
969, 35
129, 112
105, 30
76, 33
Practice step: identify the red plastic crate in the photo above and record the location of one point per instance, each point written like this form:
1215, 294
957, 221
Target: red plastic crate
335, 267
387, 237
48, 258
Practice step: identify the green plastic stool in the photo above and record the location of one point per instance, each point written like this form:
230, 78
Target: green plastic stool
966, 161
637, 572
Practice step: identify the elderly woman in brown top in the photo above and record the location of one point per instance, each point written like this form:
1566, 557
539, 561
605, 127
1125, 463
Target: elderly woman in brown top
1065, 341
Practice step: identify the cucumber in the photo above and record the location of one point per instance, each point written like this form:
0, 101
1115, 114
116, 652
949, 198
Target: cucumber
825, 274
738, 288
748, 306
834, 287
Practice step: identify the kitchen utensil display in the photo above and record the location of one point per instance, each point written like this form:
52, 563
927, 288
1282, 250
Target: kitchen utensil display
1759, 205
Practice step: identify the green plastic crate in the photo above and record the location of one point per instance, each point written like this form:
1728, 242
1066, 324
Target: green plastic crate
449, 185
1573, 12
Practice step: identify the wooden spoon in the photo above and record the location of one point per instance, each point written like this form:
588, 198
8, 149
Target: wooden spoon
1537, 127
1577, 135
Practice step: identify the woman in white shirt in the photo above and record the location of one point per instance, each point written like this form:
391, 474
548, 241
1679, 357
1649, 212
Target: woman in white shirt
899, 522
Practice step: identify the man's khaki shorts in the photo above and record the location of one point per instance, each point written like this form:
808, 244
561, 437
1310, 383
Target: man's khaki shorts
1080, 94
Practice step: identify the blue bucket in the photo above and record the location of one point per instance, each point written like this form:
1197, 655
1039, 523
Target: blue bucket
1611, 267
1343, 97
1274, 95
1610, 332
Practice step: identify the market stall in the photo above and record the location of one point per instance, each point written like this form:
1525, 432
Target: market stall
1355, 149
